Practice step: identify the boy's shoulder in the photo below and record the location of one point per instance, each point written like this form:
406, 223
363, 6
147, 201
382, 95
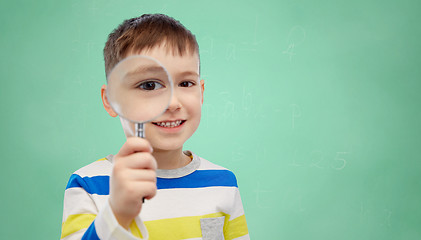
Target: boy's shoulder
93, 178
203, 164
101, 167
208, 165
217, 173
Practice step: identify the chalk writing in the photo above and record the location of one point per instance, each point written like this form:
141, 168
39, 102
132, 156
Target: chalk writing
259, 196
229, 111
296, 37
290, 51
296, 113
319, 160
369, 210
294, 160
339, 161
231, 52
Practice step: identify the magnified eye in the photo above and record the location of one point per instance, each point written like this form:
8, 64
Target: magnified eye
150, 85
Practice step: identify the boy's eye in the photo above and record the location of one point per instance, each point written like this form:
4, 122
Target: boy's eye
186, 84
150, 85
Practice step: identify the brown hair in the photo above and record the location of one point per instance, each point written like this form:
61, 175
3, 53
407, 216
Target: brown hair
146, 32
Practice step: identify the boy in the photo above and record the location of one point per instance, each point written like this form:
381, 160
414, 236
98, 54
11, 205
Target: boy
185, 196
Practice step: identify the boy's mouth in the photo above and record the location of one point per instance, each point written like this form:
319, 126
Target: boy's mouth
169, 124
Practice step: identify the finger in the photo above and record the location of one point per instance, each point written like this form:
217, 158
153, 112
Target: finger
133, 145
141, 175
140, 160
148, 190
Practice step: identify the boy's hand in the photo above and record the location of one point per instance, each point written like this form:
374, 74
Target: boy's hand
133, 178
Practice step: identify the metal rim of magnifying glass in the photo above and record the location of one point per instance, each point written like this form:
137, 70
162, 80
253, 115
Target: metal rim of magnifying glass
169, 79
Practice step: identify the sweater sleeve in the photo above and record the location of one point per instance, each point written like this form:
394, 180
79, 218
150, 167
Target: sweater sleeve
236, 226
88, 215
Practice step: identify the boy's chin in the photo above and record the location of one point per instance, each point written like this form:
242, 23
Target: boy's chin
166, 147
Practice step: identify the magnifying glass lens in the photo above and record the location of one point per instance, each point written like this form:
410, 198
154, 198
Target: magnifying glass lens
139, 89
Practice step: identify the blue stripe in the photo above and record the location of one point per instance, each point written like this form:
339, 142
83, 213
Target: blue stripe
90, 233
93, 185
200, 179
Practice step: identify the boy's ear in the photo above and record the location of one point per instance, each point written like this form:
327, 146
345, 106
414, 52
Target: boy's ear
105, 102
202, 87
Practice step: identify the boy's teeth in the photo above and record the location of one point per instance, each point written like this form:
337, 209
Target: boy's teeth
169, 124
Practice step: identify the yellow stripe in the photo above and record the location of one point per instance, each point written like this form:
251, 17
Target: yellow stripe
135, 230
102, 159
178, 228
236, 228
174, 228
75, 223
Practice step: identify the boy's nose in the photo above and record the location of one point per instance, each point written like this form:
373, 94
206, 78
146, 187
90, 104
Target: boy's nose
174, 103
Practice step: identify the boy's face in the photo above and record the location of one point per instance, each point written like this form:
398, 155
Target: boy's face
178, 123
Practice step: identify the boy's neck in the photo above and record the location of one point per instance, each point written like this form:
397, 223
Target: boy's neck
171, 159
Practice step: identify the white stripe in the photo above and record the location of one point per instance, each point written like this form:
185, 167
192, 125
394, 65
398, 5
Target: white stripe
245, 237
190, 202
237, 209
185, 202
78, 201
206, 165
98, 168
75, 235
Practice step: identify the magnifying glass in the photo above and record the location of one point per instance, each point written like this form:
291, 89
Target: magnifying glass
139, 90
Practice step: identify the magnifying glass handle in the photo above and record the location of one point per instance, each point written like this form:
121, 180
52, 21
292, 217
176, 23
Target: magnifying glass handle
139, 130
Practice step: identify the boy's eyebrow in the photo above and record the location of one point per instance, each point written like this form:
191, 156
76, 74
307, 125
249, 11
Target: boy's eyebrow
188, 73
145, 69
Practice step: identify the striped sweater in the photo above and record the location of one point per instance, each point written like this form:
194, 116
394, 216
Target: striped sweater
198, 201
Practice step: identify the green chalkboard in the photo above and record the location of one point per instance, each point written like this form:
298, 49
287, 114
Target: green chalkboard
315, 105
